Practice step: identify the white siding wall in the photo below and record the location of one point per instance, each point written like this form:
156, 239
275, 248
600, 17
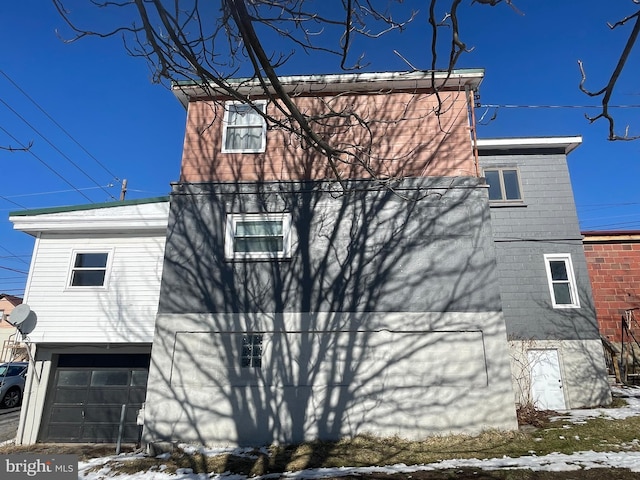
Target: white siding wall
124, 311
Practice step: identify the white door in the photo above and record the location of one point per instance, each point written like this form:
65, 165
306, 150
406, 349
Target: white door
546, 381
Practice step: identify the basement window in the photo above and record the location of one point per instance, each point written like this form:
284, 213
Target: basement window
251, 351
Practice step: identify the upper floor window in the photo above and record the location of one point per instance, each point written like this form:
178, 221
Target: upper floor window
504, 184
562, 282
245, 130
258, 236
89, 269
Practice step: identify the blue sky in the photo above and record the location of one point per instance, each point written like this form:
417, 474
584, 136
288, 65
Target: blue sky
118, 125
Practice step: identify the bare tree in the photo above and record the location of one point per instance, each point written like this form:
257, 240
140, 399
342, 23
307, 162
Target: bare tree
195, 42
209, 45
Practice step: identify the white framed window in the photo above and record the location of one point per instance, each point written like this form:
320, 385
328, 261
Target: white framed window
244, 129
504, 184
89, 268
562, 281
257, 236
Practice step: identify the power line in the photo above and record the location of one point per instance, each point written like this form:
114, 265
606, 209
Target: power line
12, 202
13, 270
59, 126
13, 255
495, 105
622, 204
45, 164
58, 191
604, 226
54, 147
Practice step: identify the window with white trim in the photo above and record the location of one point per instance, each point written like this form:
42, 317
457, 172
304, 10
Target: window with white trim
562, 281
89, 269
244, 129
258, 236
504, 184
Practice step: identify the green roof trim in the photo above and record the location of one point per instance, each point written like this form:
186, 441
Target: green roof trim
89, 206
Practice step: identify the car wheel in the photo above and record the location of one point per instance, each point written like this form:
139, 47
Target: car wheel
11, 398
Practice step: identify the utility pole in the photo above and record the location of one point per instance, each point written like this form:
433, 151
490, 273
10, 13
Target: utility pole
123, 191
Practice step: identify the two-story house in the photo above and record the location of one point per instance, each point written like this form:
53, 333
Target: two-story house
273, 302
93, 285
294, 307
557, 357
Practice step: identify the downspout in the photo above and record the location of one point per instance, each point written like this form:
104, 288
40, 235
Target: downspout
472, 122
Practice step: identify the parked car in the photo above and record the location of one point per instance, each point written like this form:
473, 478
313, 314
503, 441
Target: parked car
12, 377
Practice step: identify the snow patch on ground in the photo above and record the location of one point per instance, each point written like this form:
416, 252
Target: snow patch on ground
96, 469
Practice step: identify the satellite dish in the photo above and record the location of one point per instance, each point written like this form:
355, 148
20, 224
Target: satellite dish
19, 314
23, 318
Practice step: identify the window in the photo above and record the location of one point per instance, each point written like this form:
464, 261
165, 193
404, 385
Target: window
89, 269
245, 130
251, 236
504, 184
562, 283
251, 351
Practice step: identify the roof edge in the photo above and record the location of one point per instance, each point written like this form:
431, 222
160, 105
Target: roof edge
89, 206
604, 236
512, 143
333, 83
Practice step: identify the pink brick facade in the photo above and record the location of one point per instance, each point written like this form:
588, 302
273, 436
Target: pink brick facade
402, 138
613, 260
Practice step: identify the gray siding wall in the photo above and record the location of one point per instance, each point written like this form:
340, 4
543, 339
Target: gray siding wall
385, 320
424, 246
546, 222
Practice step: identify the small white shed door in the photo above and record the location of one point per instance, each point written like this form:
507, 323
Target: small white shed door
546, 381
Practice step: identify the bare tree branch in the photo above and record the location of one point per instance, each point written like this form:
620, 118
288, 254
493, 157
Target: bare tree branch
17, 149
607, 91
190, 40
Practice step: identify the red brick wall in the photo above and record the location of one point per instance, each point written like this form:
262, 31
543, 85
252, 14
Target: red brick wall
614, 268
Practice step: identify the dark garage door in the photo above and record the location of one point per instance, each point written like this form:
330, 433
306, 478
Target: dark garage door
88, 391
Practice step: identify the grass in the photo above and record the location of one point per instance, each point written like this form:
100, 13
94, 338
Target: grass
561, 435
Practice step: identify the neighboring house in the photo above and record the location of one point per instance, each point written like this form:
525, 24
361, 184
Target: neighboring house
9, 344
94, 284
613, 259
557, 356
291, 309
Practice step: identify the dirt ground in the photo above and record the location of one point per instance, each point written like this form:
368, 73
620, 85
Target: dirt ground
88, 451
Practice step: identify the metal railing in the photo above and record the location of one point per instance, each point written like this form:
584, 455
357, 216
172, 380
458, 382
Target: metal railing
629, 360
14, 350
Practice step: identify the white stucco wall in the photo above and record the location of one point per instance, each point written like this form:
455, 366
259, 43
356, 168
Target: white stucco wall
582, 369
407, 374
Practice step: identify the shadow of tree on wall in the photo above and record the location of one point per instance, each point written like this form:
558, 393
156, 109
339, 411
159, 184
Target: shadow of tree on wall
386, 318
